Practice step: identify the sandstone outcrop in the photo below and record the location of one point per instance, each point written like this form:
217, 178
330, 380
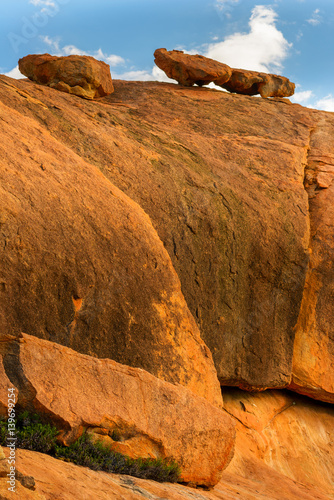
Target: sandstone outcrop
221, 169
286, 437
252, 82
83, 76
189, 69
81, 264
313, 359
222, 179
152, 418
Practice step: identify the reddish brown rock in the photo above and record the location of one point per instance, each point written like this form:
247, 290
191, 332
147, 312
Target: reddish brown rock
220, 169
191, 69
223, 169
283, 439
83, 76
313, 359
80, 392
252, 83
195, 69
82, 265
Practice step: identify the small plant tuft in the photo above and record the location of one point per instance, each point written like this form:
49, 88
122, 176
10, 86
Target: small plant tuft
34, 435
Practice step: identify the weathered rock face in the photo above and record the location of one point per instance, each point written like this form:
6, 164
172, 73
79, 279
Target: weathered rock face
252, 83
151, 417
223, 169
285, 436
83, 76
195, 69
191, 69
313, 360
82, 265
220, 169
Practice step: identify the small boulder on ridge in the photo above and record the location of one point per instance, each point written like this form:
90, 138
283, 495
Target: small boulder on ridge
83, 76
188, 69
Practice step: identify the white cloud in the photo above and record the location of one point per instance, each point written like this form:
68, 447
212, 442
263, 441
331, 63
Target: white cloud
302, 97
15, 73
263, 48
68, 50
326, 103
43, 3
221, 4
316, 18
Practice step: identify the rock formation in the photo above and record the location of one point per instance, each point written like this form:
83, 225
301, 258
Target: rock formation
248, 278
83, 76
189, 69
106, 205
252, 82
283, 434
313, 358
83, 266
152, 418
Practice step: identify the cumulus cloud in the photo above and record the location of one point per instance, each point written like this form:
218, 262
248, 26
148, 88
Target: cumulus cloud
326, 103
68, 50
15, 73
263, 48
316, 18
302, 97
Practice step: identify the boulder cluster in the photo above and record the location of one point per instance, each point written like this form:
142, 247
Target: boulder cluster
86, 77
195, 69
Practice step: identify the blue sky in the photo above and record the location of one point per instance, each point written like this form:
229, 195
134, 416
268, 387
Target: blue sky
294, 38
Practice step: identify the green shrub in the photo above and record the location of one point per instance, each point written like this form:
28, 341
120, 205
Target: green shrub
32, 434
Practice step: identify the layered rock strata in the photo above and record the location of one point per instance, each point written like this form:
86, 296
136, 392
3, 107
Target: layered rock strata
83, 76
189, 69
151, 418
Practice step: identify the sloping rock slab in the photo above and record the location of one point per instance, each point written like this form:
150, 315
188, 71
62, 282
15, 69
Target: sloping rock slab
82, 265
79, 391
190, 69
61, 480
83, 76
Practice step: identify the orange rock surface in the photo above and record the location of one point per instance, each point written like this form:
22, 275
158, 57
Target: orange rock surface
252, 82
81, 263
189, 69
313, 358
152, 418
207, 166
83, 76
285, 435
230, 197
